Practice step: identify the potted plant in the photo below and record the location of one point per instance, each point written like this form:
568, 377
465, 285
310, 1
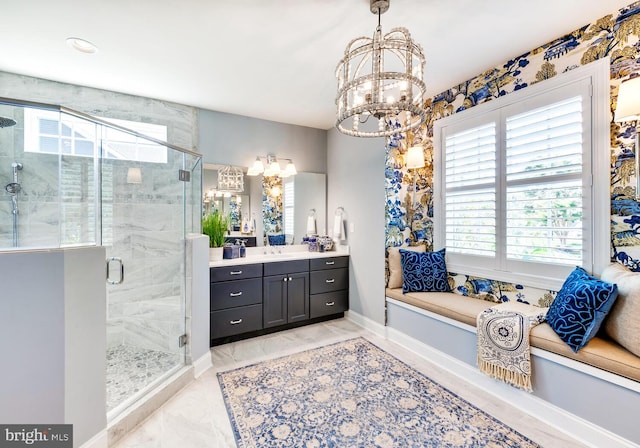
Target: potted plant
215, 225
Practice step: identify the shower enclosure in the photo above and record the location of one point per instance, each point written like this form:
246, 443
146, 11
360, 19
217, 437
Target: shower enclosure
72, 180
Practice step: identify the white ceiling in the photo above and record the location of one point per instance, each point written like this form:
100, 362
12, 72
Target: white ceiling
271, 59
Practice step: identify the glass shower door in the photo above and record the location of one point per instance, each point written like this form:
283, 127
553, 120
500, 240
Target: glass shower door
143, 227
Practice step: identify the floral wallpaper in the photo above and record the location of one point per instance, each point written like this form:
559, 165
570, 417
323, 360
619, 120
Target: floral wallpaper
272, 208
409, 213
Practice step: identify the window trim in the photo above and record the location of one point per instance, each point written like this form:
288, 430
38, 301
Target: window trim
600, 211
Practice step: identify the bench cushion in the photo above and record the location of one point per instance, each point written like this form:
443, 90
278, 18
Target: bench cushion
600, 352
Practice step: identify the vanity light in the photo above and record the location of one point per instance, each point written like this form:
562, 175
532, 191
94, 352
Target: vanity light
290, 170
256, 168
272, 168
81, 45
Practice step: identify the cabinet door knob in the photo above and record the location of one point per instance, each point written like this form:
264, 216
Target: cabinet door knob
235, 272
330, 280
330, 303
290, 279
235, 322
235, 294
329, 263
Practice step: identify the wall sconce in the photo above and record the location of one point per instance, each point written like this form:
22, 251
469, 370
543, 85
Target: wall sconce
415, 160
134, 176
628, 109
272, 168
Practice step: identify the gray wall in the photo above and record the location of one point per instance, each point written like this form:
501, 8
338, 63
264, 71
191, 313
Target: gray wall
52, 324
228, 139
355, 181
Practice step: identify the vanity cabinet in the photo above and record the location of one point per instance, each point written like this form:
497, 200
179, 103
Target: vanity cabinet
235, 299
252, 299
285, 292
329, 286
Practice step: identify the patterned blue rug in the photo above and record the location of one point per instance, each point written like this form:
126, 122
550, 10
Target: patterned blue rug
352, 394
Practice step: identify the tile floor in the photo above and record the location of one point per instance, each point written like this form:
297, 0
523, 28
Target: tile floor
196, 417
131, 369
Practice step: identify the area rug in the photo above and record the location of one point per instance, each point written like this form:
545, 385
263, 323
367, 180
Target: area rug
352, 394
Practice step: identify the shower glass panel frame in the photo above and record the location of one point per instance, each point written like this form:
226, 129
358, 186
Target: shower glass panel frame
86, 181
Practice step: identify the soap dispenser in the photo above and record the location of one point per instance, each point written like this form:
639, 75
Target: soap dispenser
243, 249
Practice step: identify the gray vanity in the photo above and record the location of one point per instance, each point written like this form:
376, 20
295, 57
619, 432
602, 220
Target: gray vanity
257, 295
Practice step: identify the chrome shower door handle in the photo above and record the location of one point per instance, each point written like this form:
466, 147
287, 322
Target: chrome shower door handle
120, 278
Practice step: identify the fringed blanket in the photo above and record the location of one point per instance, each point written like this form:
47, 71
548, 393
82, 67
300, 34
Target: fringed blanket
503, 342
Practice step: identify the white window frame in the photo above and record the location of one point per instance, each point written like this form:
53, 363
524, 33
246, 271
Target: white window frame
598, 212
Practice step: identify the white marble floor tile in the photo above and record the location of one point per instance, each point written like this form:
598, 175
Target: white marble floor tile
196, 417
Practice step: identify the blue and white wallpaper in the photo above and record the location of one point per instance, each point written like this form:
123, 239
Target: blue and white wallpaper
409, 213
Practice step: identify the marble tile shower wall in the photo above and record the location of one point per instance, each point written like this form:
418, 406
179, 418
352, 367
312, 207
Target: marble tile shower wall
147, 219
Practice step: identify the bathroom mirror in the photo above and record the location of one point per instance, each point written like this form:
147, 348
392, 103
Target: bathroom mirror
309, 192
236, 205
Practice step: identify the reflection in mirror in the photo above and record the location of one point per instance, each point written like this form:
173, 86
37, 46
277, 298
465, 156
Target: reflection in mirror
285, 214
237, 206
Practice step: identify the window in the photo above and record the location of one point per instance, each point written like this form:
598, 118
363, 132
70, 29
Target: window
50, 132
517, 193
288, 205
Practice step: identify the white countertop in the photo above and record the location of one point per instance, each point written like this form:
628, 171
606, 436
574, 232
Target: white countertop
279, 253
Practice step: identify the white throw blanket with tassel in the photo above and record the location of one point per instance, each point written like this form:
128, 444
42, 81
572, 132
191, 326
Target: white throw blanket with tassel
503, 342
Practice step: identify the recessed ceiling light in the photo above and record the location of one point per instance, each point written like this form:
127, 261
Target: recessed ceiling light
83, 46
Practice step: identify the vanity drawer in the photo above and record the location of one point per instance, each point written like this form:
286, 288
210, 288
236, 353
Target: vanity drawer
329, 280
328, 303
237, 272
236, 321
285, 267
235, 293
329, 263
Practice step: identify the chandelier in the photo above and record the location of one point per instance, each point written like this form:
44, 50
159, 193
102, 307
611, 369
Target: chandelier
380, 78
230, 179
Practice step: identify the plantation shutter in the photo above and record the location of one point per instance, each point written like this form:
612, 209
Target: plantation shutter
470, 185
288, 201
544, 209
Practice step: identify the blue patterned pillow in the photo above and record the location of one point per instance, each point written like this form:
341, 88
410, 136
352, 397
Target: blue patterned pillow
276, 240
580, 307
424, 271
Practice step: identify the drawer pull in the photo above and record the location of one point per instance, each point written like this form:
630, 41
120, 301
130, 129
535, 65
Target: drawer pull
330, 303
329, 263
235, 272
330, 280
235, 294
235, 322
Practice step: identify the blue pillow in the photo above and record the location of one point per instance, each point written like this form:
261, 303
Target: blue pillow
276, 240
580, 307
424, 271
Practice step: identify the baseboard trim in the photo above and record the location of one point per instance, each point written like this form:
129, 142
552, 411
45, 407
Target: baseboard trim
202, 364
366, 323
576, 427
100, 440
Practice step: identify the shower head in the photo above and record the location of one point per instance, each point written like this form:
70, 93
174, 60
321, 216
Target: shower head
13, 188
7, 122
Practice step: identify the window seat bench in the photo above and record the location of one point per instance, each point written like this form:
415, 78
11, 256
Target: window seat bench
593, 395
600, 352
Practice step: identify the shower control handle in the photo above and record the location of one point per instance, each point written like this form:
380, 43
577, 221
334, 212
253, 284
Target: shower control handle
120, 271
